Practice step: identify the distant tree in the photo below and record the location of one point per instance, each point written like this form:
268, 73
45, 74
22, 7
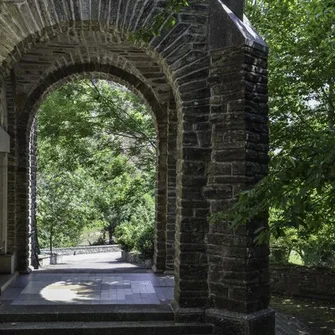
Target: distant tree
300, 187
96, 159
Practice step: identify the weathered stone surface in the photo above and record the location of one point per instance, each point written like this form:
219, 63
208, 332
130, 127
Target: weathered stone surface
4, 141
205, 82
300, 281
234, 323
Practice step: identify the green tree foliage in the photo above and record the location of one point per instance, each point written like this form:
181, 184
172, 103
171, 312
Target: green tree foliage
138, 234
300, 187
96, 155
61, 214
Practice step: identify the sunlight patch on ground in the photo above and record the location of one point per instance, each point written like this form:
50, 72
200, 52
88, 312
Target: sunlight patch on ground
62, 291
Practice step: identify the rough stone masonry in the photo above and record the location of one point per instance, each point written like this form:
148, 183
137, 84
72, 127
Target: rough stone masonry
205, 81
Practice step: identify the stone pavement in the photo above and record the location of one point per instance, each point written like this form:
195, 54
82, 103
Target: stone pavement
107, 261
43, 288
103, 279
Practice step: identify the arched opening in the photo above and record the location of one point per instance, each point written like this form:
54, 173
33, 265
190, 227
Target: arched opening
160, 113
96, 166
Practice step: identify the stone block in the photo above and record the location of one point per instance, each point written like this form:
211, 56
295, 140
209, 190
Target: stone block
7, 264
4, 141
218, 192
258, 323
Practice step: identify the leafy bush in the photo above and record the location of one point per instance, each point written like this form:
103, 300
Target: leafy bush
138, 233
125, 235
279, 255
312, 248
100, 241
145, 242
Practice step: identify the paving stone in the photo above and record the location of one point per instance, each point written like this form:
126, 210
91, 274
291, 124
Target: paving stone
78, 289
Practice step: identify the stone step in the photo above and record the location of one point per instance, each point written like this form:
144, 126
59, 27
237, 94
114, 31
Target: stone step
105, 328
53, 313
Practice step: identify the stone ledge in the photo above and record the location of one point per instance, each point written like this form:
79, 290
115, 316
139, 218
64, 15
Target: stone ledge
83, 250
187, 315
301, 281
45, 313
261, 322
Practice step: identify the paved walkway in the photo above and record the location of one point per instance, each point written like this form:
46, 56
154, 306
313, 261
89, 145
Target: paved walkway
43, 288
90, 279
108, 261
104, 279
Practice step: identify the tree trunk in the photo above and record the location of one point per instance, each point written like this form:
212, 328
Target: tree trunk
110, 234
50, 241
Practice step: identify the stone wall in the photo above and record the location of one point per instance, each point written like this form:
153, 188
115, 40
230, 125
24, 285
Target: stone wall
92, 249
300, 281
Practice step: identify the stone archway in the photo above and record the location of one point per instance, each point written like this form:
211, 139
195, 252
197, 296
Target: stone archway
212, 65
165, 150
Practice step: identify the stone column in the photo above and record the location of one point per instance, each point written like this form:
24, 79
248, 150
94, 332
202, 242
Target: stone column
22, 183
22, 194
171, 187
6, 260
161, 198
193, 155
238, 268
12, 165
4, 148
33, 193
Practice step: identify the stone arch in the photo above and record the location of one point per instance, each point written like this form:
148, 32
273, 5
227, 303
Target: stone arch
62, 51
166, 42
213, 66
105, 71
164, 237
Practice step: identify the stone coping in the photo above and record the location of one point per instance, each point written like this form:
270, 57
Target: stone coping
81, 250
302, 281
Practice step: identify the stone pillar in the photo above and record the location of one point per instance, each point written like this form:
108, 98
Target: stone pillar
171, 188
6, 260
33, 192
238, 268
12, 165
22, 194
193, 155
22, 184
161, 198
4, 148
